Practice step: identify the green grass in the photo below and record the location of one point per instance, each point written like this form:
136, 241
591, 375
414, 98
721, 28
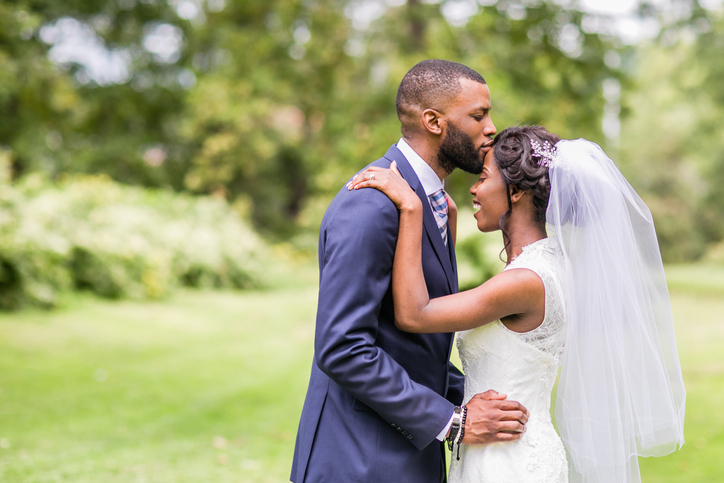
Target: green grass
208, 386
698, 304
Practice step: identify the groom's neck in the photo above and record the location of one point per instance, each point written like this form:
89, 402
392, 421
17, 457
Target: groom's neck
427, 150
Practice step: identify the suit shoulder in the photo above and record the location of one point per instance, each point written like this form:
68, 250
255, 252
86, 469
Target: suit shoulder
364, 204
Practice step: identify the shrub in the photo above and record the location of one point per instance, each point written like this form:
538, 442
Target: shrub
88, 232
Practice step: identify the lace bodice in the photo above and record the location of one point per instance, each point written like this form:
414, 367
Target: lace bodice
524, 367
544, 258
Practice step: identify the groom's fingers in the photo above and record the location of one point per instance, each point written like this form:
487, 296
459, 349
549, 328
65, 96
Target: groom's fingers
514, 416
500, 437
507, 405
512, 427
490, 395
493, 420
513, 406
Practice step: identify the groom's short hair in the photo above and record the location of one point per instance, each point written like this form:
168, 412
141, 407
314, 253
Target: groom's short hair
431, 84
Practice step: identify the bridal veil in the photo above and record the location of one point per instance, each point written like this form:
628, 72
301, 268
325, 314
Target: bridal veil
621, 393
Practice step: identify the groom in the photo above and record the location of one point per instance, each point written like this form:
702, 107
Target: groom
381, 401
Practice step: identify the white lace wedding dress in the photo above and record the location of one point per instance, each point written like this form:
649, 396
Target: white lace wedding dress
523, 366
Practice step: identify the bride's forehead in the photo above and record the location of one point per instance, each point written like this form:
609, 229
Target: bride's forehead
489, 163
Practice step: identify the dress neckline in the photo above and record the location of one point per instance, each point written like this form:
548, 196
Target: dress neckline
544, 244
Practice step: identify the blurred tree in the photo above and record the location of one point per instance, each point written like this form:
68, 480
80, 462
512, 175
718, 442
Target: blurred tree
35, 100
672, 141
271, 106
307, 95
707, 60
109, 100
274, 104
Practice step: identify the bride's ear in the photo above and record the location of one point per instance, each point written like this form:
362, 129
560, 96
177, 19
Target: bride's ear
516, 194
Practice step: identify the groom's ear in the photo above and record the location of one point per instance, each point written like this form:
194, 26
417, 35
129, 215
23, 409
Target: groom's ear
431, 121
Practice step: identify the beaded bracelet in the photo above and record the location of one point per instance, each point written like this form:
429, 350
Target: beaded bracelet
461, 432
455, 427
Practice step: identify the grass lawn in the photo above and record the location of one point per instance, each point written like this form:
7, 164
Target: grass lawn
208, 386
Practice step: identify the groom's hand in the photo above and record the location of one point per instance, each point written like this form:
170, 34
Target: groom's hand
492, 418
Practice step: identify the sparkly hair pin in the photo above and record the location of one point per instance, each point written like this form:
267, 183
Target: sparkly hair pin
545, 153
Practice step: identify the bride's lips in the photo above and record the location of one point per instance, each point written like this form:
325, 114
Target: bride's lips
476, 206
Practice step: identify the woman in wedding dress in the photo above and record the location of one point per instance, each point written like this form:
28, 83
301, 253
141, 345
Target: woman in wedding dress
583, 291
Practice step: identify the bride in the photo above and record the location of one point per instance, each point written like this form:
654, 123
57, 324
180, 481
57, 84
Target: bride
583, 292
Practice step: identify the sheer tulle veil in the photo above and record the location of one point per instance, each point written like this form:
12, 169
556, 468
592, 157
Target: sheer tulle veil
621, 393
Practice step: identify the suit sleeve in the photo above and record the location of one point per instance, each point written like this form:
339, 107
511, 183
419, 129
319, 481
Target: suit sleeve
456, 385
359, 244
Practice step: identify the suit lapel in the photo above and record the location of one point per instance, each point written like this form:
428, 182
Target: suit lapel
428, 219
453, 261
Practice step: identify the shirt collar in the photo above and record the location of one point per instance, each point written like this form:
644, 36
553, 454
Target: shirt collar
427, 176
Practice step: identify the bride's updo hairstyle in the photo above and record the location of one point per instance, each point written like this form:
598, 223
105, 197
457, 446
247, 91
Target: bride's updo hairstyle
519, 168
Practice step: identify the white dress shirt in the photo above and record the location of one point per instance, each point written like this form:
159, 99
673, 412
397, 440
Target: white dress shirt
430, 183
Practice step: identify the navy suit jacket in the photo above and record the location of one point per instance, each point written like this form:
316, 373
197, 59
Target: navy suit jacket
377, 396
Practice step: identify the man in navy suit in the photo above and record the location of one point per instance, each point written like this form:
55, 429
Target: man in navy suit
380, 401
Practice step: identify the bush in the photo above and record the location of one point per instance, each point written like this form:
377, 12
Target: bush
88, 232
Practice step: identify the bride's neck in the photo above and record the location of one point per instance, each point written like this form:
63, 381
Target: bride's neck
520, 237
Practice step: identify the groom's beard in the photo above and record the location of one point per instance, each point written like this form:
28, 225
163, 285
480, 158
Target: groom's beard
458, 151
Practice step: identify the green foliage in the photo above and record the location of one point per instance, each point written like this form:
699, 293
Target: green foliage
273, 105
472, 257
478, 254
88, 232
672, 142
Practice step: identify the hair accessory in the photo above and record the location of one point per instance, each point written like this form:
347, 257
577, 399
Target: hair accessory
545, 153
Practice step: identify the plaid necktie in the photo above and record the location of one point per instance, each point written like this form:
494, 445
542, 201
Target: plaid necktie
438, 201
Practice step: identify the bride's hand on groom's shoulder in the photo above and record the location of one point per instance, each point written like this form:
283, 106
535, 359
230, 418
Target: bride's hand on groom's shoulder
391, 183
492, 418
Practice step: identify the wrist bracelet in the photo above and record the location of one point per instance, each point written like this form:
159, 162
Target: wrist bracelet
461, 432
457, 419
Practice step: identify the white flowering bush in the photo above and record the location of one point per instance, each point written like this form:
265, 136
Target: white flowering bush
90, 233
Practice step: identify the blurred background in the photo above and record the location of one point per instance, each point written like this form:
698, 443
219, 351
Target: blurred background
165, 165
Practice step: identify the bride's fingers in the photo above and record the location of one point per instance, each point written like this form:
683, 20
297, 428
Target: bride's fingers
374, 183
373, 173
371, 169
364, 181
367, 174
393, 168
379, 178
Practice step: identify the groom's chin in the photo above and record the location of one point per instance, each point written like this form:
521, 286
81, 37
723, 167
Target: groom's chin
471, 167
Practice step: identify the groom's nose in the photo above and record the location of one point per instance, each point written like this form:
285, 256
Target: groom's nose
489, 129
